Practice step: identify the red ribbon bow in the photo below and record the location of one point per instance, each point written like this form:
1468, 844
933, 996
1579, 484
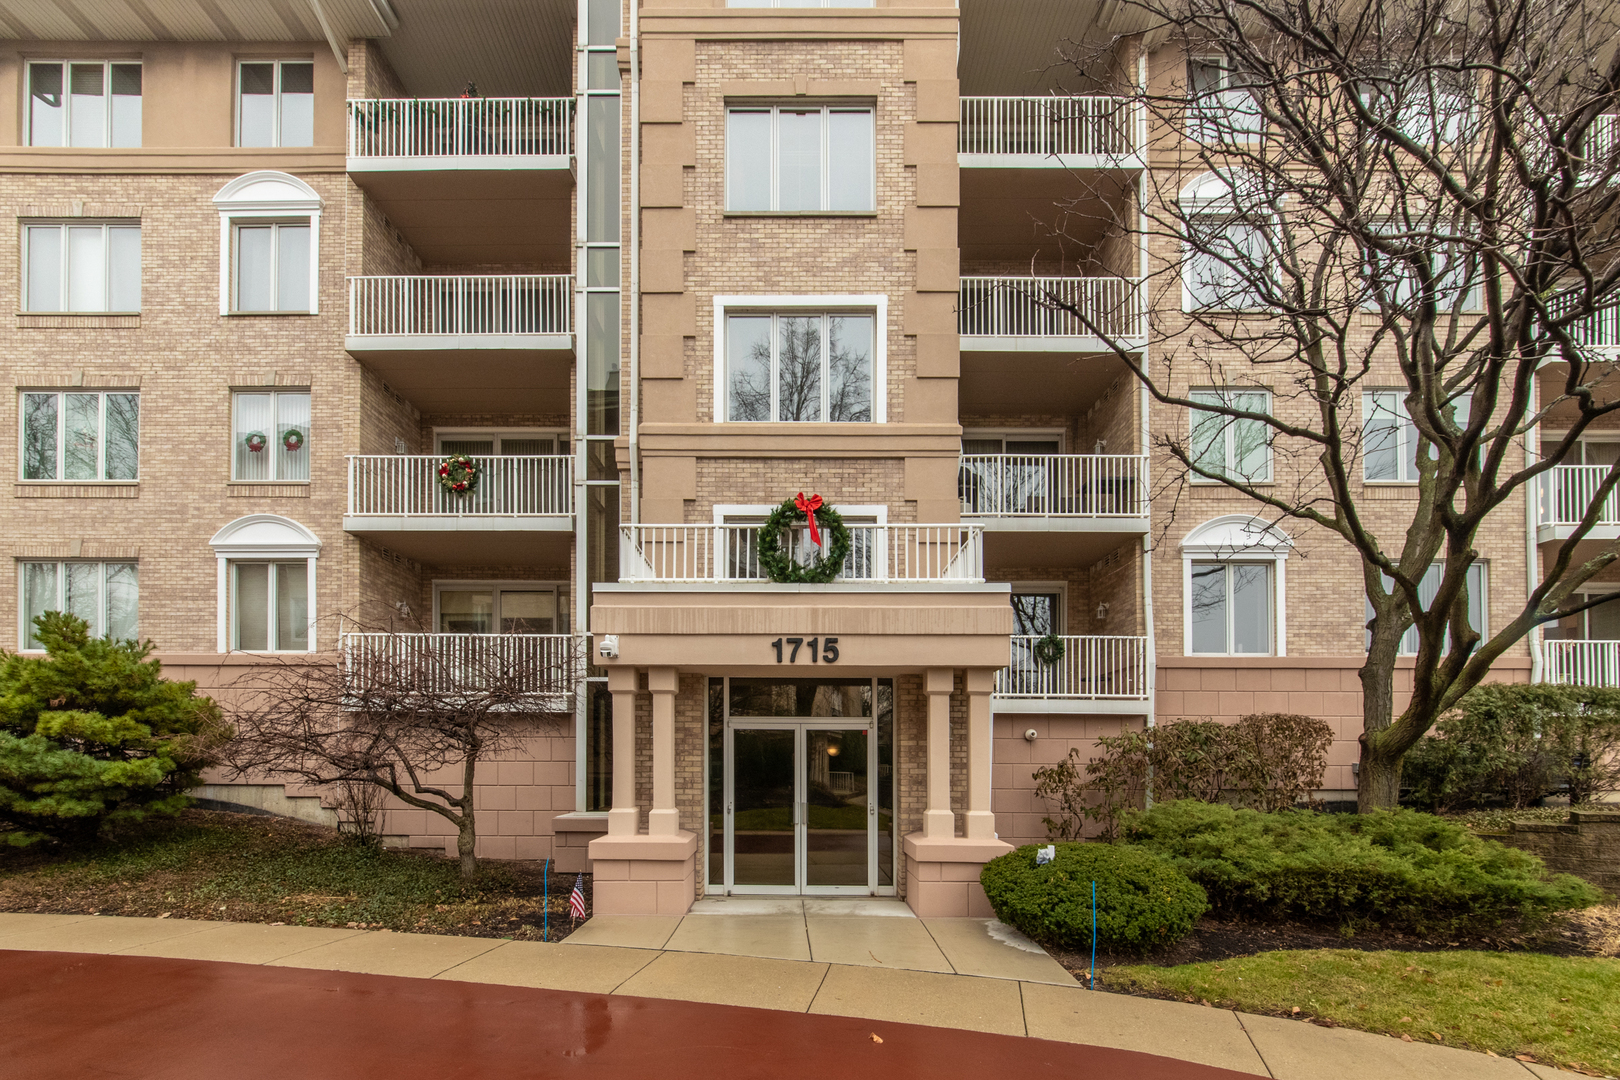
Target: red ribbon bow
810, 506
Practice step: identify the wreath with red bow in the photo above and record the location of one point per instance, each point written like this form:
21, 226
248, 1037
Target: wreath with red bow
827, 533
458, 474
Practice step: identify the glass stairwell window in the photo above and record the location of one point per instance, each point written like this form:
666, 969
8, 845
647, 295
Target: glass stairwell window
84, 103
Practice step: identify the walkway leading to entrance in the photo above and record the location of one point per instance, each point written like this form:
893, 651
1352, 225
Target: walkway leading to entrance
878, 933
189, 1014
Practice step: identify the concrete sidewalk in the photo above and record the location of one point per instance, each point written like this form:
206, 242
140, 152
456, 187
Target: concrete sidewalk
900, 980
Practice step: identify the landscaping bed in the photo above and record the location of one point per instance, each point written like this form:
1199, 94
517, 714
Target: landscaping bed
255, 868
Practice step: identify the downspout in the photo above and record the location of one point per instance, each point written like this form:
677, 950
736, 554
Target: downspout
1152, 646
1532, 451
331, 38
635, 262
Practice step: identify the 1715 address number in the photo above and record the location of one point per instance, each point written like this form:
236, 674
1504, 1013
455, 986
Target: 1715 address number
822, 650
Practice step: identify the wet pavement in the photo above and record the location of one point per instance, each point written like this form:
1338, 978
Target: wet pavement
93, 1017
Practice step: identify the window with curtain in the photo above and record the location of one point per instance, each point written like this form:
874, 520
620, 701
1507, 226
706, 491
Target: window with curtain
88, 103
270, 606
82, 268
1232, 607
803, 367
106, 595
275, 103
73, 435
272, 271
1428, 588
1232, 446
800, 159
270, 437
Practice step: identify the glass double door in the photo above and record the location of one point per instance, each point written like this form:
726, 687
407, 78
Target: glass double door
802, 812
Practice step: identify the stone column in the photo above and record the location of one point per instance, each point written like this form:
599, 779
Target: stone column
624, 819
939, 822
981, 820
665, 819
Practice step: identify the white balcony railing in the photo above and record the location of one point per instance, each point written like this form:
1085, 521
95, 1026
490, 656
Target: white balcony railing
1568, 490
398, 485
544, 664
461, 127
730, 553
1056, 485
1599, 330
1051, 126
461, 305
1582, 663
1031, 307
1090, 667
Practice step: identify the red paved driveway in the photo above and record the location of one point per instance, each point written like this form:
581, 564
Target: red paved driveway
106, 1017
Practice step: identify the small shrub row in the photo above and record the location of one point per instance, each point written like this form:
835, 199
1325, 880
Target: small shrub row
1398, 869
1511, 745
1143, 901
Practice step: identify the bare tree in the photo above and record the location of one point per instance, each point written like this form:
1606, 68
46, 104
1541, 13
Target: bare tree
413, 715
1391, 217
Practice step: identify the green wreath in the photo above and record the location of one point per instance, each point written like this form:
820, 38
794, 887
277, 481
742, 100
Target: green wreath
458, 474
779, 565
1048, 650
292, 439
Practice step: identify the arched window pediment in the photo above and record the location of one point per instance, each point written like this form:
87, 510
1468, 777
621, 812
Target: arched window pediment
265, 536
267, 191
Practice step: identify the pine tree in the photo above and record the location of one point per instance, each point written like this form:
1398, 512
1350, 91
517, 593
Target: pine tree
92, 733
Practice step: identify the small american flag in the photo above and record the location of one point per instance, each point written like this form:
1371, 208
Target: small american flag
576, 899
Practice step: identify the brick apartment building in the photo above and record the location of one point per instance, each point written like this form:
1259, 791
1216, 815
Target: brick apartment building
661, 270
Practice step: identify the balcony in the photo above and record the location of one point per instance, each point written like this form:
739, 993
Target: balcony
1566, 493
1582, 663
519, 665
520, 511
879, 555
1094, 675
469, 180
1018, 352
415, 331
1050, 133
1053, 510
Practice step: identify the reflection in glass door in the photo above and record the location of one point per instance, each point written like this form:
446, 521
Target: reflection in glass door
763, 806
837, 807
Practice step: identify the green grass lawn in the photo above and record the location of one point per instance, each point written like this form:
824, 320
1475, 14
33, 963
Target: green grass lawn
264, 869
1560, 1010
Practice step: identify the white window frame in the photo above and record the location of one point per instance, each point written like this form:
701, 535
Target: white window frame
1587, 592
65, 284
875, 304
1201, 124
275, 122
564, 617
96, 629
271, 392
1229, 427
774, 155
266, 197
1422, 124
1238, 538
272, 626
275, 227
1405, 432
61, 434
1477, 605
1445, 296
1213, 196
259, 538
66, 65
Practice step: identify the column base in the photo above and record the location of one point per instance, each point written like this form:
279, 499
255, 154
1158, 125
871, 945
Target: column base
643, 875
942, 875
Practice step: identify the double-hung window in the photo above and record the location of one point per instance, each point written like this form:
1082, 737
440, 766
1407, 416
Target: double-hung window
1428, 588
1229, 446
1390, 441
800, 159
104, 594
68, 435
271, 436
275, 103
89, 103
271, 605
800, 366
272, 270
1220, 109
1232, 608
82, 268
